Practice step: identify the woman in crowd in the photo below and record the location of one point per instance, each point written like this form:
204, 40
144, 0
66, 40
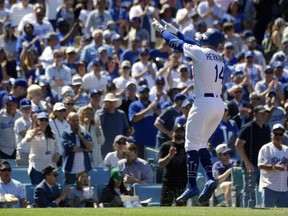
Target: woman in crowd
34, 93
94, 128
43, 147
8, 40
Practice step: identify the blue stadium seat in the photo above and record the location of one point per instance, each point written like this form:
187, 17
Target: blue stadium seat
146, 191
29, 193
21, 174
60, 177
99, 176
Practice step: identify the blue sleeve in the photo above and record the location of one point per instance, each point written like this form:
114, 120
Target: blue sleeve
186, 39
173, 41
133, 110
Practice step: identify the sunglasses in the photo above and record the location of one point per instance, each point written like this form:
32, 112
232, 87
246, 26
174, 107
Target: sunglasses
61, 111
6, 170
257, 99
226, 153
69, 104
43, 120
126, 68
144, 54
278, 134
183, 70
88, 113
236, 92
58, 56
121, 143
160, 83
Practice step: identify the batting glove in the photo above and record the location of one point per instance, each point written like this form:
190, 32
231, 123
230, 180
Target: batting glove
157, 25
171, 28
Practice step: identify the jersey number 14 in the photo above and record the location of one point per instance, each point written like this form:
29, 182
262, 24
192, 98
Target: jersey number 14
219, 75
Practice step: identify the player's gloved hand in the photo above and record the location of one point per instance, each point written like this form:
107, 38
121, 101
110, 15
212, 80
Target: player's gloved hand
169, 27
157, 25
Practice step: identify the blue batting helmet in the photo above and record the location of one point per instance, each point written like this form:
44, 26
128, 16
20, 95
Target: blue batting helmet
212, 37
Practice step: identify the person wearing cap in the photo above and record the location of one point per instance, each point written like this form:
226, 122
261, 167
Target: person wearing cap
94, 79
77, 144
248, 143
19, 89
222, 172
171, 94
258, 57
172, 157
144, 68
165, 121
43, 147
184, 79
8, 115
135, 169
209, 11
124, 78
47, 193
112, 193
283, 51
81, 97
34, 92
108, 115
116, 44
185, 108
58, 124
279, 72
272, 162
9, 185
226, 132
276, 113
158, 91
191, 29
270, 83
229, 54
58, 74
22, 125
93, 126
70, 58
142, 115
111, 159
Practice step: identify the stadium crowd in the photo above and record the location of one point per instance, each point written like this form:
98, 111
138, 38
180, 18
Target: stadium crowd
82, 79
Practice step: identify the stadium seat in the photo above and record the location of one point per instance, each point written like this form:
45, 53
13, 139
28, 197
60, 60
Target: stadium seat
60, 177
99, 176
238, 184
146, 191
29, 193
21, 174
12, 162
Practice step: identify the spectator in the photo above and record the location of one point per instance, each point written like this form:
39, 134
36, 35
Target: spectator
111, 195
11, 186
272, 162
66, 11
158, 91
279, 72
132, 54
58, 75
184, 79
77, 146
135, 169
8, 41
93, 126
171, 94
98, 18
257, 52
166, 120
233, 37
172, 158
43, 147
7, 67
8, 115
185, 108
112, 158
183, 15
34, 93
20, 9
82, 195
69, 105
209, 11
222, 171
250, 139
22, 125
142, 115
47, 193
71, 57
48, 94
58, 124
19, 89
108, 115
88, 7
191, 29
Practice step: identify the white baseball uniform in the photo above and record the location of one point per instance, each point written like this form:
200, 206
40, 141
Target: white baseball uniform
208, 108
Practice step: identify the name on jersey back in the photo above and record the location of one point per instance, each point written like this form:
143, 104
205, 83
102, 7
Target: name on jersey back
214, 57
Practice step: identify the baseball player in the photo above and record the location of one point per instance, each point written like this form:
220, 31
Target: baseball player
208, 108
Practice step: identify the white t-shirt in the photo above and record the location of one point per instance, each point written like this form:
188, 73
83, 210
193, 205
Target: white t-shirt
20, 125
138, 67
111, 159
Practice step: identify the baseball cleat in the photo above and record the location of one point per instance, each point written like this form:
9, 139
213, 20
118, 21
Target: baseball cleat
208, 190
187, 194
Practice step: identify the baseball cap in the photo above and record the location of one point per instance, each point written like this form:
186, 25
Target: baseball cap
248, 54
131, 84
228, 44
51, 36
25, 103
280, 56
116, 175
239, 73
101, 48
59, 106
70, 49
180, 96
271, 93
93, 92
43, 115
278, 126
159, 79
222, 148
259, 108
280, 21
115, 37
268, 68
187, 102
142, 81
9, 24
182, 66
76, 81
126, 63
66, 89
119, 137
143, 50
178, 126
42, 81
48, 170
143, 88
277, 64
284, 40
10, 99
21, 82
247, 33
135, 19
250, 39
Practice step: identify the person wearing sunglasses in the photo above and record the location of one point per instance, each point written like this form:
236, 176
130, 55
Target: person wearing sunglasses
11, 186
47, 192
43, 147
222, 173
272, 162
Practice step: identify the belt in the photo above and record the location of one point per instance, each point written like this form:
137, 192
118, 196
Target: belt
209, 95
